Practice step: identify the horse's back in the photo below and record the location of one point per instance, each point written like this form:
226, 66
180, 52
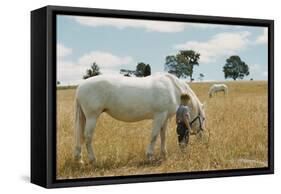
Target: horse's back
125, 98
218, 86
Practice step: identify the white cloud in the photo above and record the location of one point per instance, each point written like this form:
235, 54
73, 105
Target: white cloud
63, 51
263, 38
258, 70
211, 26
111, 72
149, 25
105, 59
220, 45
70, 72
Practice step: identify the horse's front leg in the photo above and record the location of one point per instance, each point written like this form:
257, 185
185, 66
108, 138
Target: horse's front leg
163, 139
158, 122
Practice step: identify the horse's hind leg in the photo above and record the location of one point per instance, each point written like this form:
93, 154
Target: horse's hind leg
88, 134
158, 122
163, 139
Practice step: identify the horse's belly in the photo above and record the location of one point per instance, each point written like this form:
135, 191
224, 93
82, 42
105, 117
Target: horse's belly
131, 116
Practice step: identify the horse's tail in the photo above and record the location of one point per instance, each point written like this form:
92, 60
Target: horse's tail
79, 124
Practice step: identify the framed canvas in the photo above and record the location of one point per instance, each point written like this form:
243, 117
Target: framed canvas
126, 96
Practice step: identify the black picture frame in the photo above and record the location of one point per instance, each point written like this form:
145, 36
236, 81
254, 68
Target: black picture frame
43, 95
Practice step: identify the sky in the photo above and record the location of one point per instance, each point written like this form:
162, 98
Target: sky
116, 44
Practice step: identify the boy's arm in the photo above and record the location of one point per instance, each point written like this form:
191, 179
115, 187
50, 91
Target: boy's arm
186, 121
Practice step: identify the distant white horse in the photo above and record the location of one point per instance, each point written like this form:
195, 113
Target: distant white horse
218, 88
131, 99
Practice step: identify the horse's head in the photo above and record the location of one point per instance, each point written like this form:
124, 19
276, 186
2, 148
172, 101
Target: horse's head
198, 120
198, 116
210, 94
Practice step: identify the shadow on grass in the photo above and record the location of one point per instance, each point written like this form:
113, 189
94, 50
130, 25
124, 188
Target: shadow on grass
72, 167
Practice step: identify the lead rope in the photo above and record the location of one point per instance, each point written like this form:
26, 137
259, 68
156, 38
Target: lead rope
201, 130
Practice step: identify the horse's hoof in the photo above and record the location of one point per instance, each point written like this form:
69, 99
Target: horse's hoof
79, 162
92, 163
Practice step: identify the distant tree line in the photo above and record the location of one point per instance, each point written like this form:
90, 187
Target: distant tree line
142, 70
181, 65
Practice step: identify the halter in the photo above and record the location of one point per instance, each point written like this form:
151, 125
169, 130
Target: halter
200, 122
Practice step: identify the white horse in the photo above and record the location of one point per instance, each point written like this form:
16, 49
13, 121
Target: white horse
131, 99
218, 88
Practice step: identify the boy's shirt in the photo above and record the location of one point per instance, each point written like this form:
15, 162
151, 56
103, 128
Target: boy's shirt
181, 112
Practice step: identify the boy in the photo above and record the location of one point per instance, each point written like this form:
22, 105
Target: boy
183, 119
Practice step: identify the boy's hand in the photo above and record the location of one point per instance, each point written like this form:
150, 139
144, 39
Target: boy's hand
186, 121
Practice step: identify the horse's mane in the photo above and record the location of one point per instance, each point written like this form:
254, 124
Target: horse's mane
175, 81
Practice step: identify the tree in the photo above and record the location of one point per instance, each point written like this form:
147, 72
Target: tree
93, 71
142, 70
126, 72
235, 68
190, 58
147, 71
172, 66
201, 76
181, 64
58, 82
127, 75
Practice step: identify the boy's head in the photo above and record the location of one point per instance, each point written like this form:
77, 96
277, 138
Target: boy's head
185, 99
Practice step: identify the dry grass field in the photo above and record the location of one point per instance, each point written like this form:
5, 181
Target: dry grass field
237, 124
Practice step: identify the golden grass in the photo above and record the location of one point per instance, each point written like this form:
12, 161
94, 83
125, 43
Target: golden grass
239, 137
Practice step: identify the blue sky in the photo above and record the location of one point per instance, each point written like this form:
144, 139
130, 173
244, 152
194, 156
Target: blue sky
122, 43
